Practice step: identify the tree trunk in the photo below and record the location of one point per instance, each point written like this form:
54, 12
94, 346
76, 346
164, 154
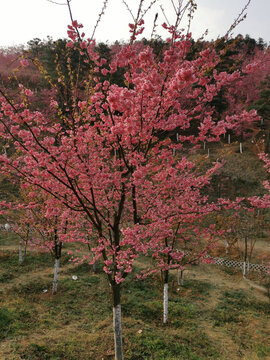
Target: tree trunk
94, 265
180, 279
165, 298
245, 259
165, 304
241, 143
227, 247
55, 277
20, 254
117, 323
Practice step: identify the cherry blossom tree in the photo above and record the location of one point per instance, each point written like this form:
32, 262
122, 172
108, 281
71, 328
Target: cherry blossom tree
37, 225
109, 157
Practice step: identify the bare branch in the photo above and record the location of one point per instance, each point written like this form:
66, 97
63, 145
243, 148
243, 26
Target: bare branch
239, 19
154, 26
174, 6
99, 17
148, 8
56, 3
163, 12
129, 10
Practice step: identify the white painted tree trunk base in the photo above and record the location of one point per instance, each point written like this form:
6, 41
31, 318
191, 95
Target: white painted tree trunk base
227, 247
165, 304
180, 278
117, 327
55, 277
244, 270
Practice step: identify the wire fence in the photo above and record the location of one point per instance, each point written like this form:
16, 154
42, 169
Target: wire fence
240, 264
245, 266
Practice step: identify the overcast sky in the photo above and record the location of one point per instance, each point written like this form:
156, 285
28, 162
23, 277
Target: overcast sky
23, 20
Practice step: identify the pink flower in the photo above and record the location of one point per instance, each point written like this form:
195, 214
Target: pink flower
24, 62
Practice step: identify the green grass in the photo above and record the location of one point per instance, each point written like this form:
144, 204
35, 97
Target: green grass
76, 323
16, 321
237, 306
162, 344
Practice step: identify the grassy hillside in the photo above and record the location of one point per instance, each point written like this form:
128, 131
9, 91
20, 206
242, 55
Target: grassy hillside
215, 315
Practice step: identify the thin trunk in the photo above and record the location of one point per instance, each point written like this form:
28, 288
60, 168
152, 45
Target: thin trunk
165, 304
241, 143
245, 259
94, 265
227, 247
182, 278
229, 138
117, 323
178, 277
116, 288
165, 297
241, 148
55, 277
20, 254
57, 249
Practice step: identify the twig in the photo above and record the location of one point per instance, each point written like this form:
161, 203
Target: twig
193, 7
148, 8
99, 17
163, 12
56, 3
154, 26
174, 6
129, 10
239, 18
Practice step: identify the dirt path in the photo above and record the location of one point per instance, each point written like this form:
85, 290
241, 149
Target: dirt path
230, 349
24, 278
